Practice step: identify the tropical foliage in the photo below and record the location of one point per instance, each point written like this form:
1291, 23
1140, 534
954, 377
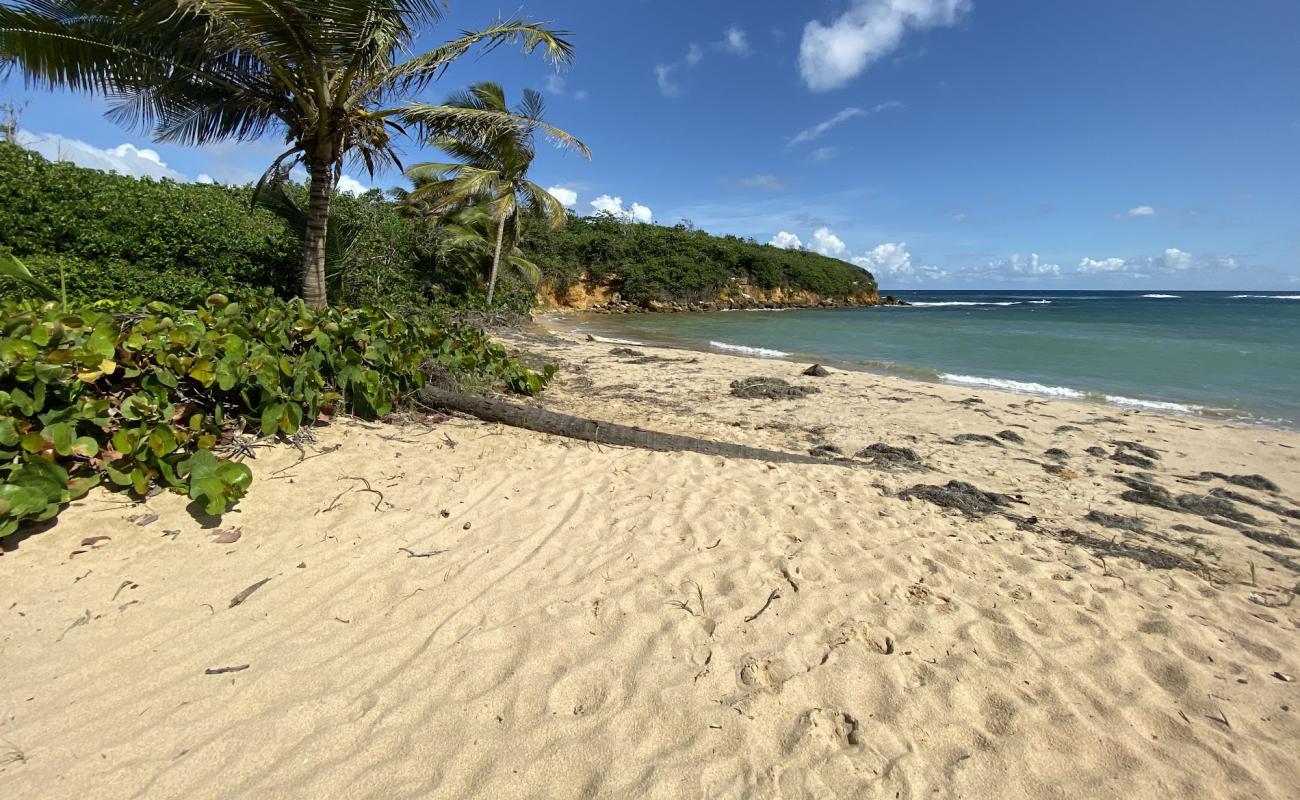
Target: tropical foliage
158, 396
490, 172
325, 74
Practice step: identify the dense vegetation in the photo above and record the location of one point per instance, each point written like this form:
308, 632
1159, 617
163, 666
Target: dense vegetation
146, 398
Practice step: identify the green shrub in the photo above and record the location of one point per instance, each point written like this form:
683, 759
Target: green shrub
147, 397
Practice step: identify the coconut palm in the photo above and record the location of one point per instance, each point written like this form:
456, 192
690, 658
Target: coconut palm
323, 73
490, 166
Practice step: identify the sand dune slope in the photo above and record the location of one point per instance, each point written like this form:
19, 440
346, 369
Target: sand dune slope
572, 621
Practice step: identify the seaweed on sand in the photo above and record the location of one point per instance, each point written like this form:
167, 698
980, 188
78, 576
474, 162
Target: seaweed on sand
978, 438
970, 500
888, 457
759, 388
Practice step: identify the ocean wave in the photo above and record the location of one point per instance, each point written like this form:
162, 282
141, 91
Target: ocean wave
749, 351
1022, 387
1163, 296
1040, 302
1150, 405
969, 303
1266, 296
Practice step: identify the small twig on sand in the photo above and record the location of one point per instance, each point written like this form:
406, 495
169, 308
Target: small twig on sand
368, 488
125, 585
12, 755
412, 554
715, 544
224, 670
84, 619
324, 452
244, 595
774, 595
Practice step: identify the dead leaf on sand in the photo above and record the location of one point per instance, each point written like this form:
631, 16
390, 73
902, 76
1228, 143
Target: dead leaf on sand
227, 537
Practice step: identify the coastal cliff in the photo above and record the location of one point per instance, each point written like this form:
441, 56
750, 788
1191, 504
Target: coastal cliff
605, 296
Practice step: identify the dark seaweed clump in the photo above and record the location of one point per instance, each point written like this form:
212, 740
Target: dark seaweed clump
889, 457
759, 388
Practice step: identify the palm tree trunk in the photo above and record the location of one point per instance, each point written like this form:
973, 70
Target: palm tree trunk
313, 248
496, 259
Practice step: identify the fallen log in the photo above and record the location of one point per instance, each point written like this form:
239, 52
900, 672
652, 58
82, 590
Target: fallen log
609, 433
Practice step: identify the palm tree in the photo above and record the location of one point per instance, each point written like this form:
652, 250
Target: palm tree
491, 165
323, 73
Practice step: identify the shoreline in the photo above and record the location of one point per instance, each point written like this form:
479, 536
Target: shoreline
507, 613
571, 322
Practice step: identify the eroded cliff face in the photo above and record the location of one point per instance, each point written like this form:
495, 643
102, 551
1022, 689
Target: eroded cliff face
604, 297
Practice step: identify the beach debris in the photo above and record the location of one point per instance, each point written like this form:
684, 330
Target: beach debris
143, 519
1117, 521
1268, 537
970, 401
428, 554
1150, 556
888, 457
1011, 436
1282, 676
93, 542
224, 670
1056, 454
626, 352
760, 388
367, 488
84, 619
1257, 482
1132, 460
172, 533
1060, 471
1140, 449
244, 595
1068, 429
977, 438
817, 371
773, 595
125, 585
228, 536
1146, 492
1281, 511
966, 498
1099, 452
826, 451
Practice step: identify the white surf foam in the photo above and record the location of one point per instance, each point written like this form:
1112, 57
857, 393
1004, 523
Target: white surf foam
1022, 387
1150, 405
1266, 296
1040, 302
967, 303
764, 352
1163, 296
612, 340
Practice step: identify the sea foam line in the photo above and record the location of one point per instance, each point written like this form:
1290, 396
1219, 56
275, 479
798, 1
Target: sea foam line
1151, 405
1163, 296
1266, 296
749, 351
1023, 387
967, 303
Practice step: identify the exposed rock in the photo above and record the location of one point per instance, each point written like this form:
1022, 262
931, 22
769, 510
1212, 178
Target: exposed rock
890, 300
978, 438
1011, 436
889, 457
817, 371
759, 388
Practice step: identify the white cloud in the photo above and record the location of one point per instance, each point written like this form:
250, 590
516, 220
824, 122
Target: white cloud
786, 241
1102, 264
766, 182
581, 95
821, 128
823, 154
832, 55
694, 54
352, 186
890, 258
204, 178
1140, 211
734, 42
614, 205
827, 243
1031, 266
125, 159
1176, 259
555, 84
664, 77
567, 197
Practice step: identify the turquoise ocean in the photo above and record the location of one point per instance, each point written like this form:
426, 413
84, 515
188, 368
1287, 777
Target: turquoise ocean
1230, 355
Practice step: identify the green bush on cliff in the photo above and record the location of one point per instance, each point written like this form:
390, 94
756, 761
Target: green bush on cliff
154, 396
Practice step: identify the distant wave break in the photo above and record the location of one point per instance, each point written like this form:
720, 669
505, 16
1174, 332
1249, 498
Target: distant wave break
1266, 296
1065, 392
1163, 296
749, 351
970, 303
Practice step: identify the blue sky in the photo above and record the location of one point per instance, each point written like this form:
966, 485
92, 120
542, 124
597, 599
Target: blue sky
939, 143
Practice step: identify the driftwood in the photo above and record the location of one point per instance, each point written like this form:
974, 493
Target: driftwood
609, 433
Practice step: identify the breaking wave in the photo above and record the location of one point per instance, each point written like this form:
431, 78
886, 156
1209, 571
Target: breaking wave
1266, 296
763, 352
1163, 296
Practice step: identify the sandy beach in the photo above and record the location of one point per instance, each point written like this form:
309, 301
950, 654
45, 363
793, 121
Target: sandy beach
459, 609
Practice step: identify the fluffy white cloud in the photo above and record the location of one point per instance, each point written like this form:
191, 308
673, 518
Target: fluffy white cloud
352, 186
1102, 264
555, 84
832, 55
614, 205
735, 42
1031, 266
890, 258
664, 77
816, 131
204, 178
1140, 211
567, 197
694, 54
786, 241
125, 159
1176, 259
827, 243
